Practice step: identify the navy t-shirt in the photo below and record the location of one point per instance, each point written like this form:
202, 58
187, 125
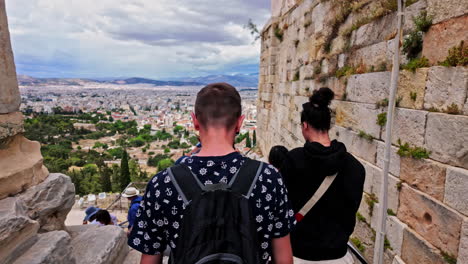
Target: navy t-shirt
160, 214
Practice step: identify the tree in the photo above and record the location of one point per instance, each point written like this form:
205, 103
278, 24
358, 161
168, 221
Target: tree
254, 138
105, 173
247, 141
124, 171
164, 164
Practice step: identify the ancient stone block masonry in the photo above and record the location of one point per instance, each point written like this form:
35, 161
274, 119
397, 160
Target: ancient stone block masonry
34, 203
346, 46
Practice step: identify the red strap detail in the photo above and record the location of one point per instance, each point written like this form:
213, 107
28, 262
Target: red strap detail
299, 217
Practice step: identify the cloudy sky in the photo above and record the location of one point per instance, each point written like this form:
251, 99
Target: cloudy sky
145, 38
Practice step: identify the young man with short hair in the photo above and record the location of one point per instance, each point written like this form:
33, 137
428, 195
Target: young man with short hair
218, 117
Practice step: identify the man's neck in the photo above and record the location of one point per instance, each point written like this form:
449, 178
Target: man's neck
216, 142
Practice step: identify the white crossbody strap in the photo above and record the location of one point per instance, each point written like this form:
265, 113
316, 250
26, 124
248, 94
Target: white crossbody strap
318, 194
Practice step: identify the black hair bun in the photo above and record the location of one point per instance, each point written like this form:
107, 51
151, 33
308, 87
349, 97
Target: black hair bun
322, 97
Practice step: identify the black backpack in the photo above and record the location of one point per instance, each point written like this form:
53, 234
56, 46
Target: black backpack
218, 226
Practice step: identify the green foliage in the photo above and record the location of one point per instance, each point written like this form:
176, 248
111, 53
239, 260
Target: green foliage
433, 109
391, 5
413, 96
178, 129
371, 200
364, 135
164, 164
390, 212
98, 144
193, 140
382, 119
124, 171
457, 56
412, 44
254, 138
453, 109
422, 22
341, 16
116, 152
278, 33
416, 63
345, 71
297, 76
382, 67
153, 161
405, 150
248, 143
175, 144
382, 103
449, 258
387, 244
410, 2
358, 244
360, 217
399, 185
167, 150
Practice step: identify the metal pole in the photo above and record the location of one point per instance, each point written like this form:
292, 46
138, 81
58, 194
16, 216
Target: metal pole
380, 236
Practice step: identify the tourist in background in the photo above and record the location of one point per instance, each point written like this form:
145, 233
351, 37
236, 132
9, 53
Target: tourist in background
91, 214
277, 156
132, 194
321, 235
103, 218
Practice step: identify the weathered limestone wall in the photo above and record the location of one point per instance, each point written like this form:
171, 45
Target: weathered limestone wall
347, 46
34, 203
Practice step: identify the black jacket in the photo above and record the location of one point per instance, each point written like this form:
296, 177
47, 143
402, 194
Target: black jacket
324, 232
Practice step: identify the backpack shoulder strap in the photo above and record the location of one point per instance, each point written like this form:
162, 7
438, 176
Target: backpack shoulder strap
185, 182
327, 182
244, 180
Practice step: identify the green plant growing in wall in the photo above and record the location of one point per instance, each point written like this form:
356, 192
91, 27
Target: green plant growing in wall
382, 67
410, 2
399, 185
416, 63
278, 33
382, 103
297, 76
342, 14
433, 109
382, 119
422, 22
453, 109
371, 200
364, 135
412, 44
358, 244
449, 258
390, 212
457, 56
405, 150
345, 71
323, 79
361, 218
387, 244
413, 96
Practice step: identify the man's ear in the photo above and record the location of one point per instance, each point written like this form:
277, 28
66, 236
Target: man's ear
196, 124
240, 120
305, 126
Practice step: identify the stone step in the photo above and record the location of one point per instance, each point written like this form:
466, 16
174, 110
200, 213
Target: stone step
94, 244
50, 248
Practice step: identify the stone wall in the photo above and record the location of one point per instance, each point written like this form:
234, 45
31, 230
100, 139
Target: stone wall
347, 46
34, 203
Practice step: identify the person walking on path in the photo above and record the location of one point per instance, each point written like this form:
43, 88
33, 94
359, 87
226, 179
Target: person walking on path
132, 194
323, 230
173, 212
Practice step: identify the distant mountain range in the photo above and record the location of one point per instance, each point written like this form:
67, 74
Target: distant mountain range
238, 80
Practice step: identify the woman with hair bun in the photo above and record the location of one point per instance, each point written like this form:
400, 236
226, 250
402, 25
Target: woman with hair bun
325, 185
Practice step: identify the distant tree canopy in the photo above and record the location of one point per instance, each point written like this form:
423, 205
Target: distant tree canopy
124, 171
164, 164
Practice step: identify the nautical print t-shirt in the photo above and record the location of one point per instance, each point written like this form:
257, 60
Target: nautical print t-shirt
160, 214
